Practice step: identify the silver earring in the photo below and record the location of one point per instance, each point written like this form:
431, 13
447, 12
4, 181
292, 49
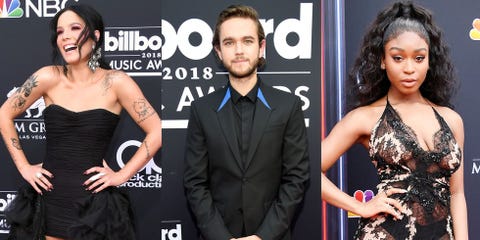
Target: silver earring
93, 61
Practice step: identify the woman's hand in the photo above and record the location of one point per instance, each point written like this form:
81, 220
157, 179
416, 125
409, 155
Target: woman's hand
35, 175
104, 178
382, 203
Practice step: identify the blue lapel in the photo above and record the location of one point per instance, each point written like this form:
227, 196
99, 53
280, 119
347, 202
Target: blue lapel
228, 95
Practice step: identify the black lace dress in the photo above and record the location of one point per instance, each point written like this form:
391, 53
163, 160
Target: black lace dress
76, 141
402, 163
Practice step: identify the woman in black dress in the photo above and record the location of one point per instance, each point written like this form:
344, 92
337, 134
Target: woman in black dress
84, 98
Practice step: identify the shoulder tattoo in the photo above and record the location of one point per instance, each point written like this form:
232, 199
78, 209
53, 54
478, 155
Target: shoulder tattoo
107, 82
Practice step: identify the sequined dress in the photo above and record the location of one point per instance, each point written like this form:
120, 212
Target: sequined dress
402, 163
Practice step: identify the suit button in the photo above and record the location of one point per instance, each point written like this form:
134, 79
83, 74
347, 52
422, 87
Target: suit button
244, 179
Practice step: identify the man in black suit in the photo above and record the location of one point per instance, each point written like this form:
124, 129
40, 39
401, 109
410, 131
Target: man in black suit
246, 156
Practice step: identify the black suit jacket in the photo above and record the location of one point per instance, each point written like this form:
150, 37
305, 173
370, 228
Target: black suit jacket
262, 195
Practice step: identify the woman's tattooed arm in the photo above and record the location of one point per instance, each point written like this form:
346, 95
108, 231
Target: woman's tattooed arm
16, 143
148, 150
19, 97
143, 109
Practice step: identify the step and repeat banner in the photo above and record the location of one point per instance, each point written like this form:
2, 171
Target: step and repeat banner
165, 46
460, 22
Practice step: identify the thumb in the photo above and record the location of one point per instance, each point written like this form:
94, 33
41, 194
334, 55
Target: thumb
105, 165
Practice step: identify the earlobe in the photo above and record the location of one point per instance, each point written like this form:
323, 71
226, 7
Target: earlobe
218, 52
97, 35
262, 48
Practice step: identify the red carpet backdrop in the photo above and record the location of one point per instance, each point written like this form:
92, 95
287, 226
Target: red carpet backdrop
166, 47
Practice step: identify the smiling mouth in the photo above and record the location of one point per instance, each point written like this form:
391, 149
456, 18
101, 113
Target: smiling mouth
69, 48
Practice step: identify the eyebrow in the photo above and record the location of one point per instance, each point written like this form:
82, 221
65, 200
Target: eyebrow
401, 49
243, 38
71, 24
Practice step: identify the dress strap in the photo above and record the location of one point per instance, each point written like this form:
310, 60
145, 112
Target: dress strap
439, 117
388, 105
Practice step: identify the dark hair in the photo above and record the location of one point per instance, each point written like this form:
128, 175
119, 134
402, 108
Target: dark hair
368, 82
93, 21
241, 11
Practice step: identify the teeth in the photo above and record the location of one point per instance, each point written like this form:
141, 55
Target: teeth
71, 47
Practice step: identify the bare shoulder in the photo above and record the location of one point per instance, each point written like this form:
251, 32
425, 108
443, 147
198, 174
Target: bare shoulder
49, 73
44, 78
116, 73
453, 119
117, 80
116, 76
369, 114
366, 117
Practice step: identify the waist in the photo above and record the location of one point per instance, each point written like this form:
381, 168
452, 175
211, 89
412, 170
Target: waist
71, 162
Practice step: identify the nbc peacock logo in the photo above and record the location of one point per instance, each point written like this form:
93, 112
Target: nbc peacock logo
475, 31
10, 9
361, 196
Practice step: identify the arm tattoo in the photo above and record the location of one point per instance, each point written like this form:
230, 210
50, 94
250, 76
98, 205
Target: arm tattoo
29, 85
18, 101
23, 92
16, 143
148, 150
143, 109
